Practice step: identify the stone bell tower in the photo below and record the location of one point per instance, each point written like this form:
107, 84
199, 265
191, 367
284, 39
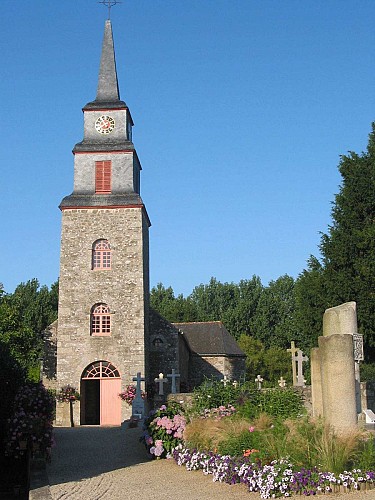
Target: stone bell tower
104, 264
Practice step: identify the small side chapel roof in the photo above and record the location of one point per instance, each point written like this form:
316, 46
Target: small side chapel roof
209, 338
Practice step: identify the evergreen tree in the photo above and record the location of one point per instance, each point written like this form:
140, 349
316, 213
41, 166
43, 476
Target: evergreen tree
347, 270
311, 302
348, 248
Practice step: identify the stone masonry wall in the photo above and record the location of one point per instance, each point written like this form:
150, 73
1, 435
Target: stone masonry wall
123, 288
163, 351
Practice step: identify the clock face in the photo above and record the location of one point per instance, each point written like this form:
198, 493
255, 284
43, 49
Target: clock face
104, 124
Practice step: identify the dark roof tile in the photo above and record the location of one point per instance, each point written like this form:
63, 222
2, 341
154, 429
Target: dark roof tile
209, 338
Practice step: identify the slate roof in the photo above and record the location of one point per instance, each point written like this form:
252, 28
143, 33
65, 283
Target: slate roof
209, 338
108, 94
93, 200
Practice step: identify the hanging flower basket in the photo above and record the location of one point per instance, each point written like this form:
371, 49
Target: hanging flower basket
128, 395
68, 394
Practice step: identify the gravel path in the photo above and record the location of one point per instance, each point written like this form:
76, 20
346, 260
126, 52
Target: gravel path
92, 463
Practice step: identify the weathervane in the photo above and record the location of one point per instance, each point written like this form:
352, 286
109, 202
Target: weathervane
109, 4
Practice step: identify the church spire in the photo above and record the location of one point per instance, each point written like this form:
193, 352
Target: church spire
107, 84
108, 94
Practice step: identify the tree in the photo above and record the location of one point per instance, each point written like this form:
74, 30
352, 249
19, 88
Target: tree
311, 302
233, 304
175, 309
23, 316
271, 363
254, 350
37, 306
348, 249
273, 323
347, 269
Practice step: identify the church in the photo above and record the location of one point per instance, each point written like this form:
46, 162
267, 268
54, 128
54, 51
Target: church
106, 331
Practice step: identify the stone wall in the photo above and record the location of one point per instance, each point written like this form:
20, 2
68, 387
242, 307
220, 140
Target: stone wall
202, 367
123, 288
163, 351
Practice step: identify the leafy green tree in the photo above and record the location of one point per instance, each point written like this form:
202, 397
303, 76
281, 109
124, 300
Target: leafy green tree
277, 363
214, 300
254, 350
233, 304
36, 306
174, 309
23, 316
273, 323
271, 363
239, 318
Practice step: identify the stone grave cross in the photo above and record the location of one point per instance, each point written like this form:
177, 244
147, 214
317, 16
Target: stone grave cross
293, 349
281, 382
173, 377
225, 380
138, 405
161, 381
258, 382
300, 358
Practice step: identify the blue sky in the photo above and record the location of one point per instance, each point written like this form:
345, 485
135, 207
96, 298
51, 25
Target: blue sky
241, 109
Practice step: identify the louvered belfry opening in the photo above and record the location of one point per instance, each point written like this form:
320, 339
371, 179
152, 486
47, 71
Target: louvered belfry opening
103, 174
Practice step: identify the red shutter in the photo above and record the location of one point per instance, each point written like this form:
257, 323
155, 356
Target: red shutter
103, 176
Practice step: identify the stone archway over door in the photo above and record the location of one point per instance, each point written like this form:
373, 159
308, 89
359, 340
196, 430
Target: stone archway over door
100, 387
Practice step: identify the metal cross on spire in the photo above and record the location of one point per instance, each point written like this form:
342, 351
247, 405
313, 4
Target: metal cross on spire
109, 4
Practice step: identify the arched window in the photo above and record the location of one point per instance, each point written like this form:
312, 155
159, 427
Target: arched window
100, 320
101, 369
101, 255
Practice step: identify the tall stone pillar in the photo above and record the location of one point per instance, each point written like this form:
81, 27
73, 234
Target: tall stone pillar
337, 367
316, 383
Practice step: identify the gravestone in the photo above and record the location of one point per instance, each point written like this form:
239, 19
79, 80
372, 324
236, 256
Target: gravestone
281, 382
173, 376
293, 351
335, 356
358, 356
316, 383
299, 359
258, 382
161, 381
297, 365
138, 404
225, 380
370, 416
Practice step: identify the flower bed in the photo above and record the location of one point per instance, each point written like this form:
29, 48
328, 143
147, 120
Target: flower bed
279, 478
31, 422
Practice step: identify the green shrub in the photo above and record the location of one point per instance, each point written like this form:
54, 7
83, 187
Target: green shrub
365, 459
213, 393
236, 445
280, 403
368, 372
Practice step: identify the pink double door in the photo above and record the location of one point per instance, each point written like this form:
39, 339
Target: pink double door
100, 389
110, 403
